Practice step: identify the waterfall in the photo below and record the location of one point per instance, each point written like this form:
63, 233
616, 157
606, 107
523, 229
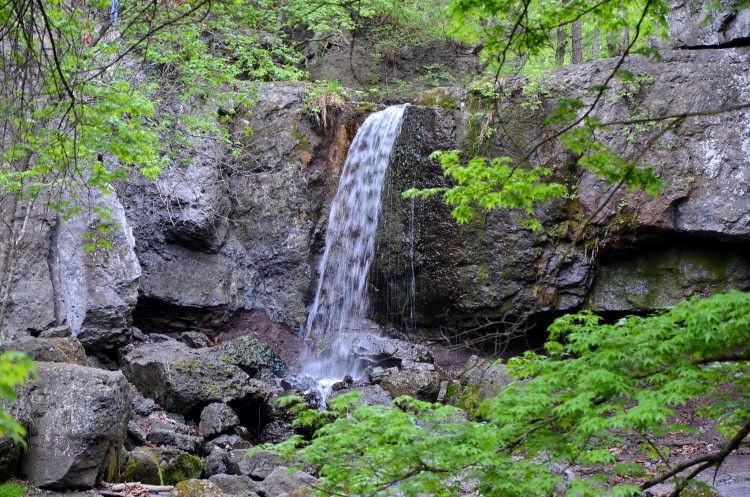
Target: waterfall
341, 300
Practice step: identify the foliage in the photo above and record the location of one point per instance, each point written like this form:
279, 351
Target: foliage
12, 489
15, 369
521, 36
526, 31
489, 185
596, 386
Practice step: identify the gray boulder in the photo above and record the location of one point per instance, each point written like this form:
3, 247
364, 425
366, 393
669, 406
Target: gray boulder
236, 484
377, 349
257, 466
217, 418
161, 466
281, 481
96, 290
228, 442
196, 488
79, 418
180, 378
420, 384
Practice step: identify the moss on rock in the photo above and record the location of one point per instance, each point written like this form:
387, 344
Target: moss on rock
161, 466
196, 488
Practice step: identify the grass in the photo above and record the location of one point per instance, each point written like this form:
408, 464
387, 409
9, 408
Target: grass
12, 489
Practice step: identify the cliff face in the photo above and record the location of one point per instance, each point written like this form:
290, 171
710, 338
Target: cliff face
637, 252
235, 233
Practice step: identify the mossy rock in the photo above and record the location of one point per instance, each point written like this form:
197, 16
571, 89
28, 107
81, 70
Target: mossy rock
177, 466
196, 488
142, 466
251, 352
161, 466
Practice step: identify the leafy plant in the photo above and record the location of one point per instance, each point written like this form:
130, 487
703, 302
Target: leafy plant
596, 386
15, 369
489, 185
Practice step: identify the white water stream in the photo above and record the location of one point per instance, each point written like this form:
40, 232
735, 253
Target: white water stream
341, 300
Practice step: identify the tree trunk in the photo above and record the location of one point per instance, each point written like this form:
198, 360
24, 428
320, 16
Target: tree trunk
595, 46
613, 45
576, 46
562, 42
624, 40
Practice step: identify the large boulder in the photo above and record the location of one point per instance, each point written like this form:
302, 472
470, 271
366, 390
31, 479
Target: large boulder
180, 378
236, 484
281, 481
423, 384
95, 274
378, 350
67, 350
79, 418
197, 488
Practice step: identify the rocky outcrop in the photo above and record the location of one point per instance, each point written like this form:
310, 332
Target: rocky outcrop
66, 274
79, 419
231, 235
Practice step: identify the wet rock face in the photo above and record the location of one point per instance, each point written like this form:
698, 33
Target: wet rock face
429, 269
79, 418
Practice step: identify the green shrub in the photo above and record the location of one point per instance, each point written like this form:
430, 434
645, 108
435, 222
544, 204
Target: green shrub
12, 489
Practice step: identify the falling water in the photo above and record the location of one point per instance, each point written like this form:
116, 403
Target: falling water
341, 300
